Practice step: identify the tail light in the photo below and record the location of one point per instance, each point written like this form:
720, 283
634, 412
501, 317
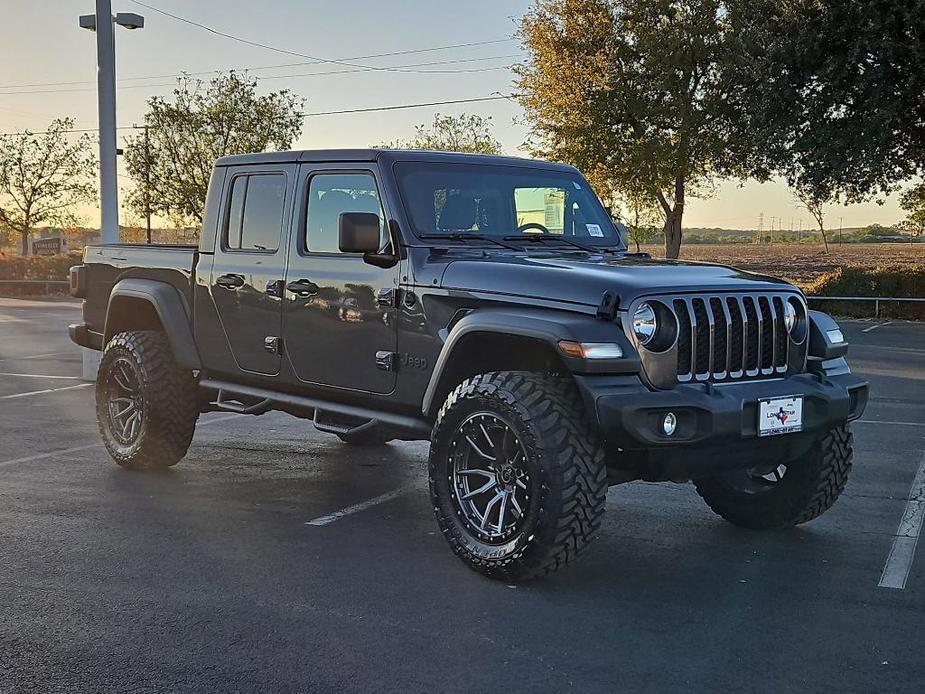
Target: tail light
79, 281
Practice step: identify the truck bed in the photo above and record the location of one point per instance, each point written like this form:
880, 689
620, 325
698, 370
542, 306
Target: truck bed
108, 263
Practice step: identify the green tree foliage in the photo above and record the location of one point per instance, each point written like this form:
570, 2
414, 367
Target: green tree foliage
835, 89
633, 93
463, 133
203, 121
913, 203
43, 178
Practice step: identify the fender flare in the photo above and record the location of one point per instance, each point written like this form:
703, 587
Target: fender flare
172, 311
544, 325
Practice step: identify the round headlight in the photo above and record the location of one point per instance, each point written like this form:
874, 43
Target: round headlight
644, 323
790, 316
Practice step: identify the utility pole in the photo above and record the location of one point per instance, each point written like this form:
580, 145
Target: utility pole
800, 232
760, 228
102, 23
839, 229
148, 184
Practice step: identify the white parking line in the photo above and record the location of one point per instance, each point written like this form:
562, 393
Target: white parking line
362, 506
878, 325
43, 392
41, 356
66, 451
66, 378
881, 421
899, 562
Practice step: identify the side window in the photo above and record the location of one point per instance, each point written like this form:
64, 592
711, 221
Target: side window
255, 214
331, 194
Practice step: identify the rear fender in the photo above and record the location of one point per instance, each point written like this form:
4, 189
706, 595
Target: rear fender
170, 309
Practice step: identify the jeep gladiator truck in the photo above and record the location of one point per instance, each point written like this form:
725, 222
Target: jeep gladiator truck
488, 305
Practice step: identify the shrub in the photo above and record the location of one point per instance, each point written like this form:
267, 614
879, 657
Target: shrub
39, 267
890, 280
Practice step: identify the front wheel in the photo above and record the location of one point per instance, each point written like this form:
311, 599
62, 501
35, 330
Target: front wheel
790, 493
146, 406
517, 477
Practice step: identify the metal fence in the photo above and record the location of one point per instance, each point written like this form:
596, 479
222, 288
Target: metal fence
37, 286
876, 299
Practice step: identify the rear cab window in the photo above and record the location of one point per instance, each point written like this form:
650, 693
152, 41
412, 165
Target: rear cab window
255, 213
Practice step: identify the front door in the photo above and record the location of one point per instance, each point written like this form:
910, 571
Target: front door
250, 257
339, 324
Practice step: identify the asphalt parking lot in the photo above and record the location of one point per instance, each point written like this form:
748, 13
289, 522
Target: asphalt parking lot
275, 558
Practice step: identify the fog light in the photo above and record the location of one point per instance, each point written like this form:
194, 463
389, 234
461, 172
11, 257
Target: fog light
669, 423
835, 336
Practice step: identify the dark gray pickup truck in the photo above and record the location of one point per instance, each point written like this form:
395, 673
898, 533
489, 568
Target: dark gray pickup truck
488, 305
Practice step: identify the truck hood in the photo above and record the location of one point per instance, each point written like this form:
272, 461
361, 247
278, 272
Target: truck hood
583, 279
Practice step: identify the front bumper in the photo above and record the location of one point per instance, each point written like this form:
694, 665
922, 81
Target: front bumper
716, 424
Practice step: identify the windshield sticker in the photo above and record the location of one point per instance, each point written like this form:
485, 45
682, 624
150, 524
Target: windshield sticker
594, 230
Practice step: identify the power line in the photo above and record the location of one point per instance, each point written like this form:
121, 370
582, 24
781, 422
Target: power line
371, 109
266, 46
399, 107
272, 67
303, 74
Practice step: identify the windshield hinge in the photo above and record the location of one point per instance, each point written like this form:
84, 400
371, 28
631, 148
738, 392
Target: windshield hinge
610, 304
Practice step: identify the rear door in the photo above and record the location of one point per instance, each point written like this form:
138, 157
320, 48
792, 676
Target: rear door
250, 257
340, 327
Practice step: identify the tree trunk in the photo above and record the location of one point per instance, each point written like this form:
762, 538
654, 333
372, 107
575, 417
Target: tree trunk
673, 220
25, 241
825, 241
673, 236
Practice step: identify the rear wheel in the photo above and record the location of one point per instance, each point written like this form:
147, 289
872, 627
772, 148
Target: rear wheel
517, 477
146, 406
786, 494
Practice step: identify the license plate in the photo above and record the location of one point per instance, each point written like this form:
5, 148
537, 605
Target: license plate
780, 415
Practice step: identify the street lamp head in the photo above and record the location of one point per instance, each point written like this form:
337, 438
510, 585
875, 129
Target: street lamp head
130, 20
88, 21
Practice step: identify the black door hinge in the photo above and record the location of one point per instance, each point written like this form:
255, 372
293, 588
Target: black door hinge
385, 361
388, 297
275, 288
610, 304
273, 344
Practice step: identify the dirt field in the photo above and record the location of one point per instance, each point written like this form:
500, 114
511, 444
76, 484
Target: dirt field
800, 263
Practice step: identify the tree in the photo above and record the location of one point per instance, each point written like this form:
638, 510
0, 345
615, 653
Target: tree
815, 205
463, 133
633, 93
835, 90
44, 177
202, 122
913, 202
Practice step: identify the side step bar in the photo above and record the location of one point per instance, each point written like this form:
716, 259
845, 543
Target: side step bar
414, 427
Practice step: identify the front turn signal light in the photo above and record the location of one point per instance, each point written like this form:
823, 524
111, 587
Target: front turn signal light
591, 350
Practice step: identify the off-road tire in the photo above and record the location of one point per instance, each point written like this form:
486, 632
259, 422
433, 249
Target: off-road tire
812, 483
169, 406
563, 453
368, 438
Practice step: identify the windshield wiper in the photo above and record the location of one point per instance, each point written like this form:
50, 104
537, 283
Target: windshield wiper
560, 239
465, 236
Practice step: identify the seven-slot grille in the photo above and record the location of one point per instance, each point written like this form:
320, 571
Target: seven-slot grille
730, 336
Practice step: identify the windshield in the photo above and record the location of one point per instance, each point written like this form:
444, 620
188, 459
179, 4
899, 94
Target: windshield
503, 201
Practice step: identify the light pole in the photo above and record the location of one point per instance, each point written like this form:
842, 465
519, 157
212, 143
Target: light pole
102, 23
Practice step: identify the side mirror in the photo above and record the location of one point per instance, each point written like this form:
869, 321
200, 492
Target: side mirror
359, 232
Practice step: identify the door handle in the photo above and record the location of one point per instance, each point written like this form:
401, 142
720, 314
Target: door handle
302, 287
230, 281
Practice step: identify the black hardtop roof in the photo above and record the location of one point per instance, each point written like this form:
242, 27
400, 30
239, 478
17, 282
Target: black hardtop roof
386, 156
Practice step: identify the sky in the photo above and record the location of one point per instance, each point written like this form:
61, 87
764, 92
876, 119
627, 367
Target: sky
43, 44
